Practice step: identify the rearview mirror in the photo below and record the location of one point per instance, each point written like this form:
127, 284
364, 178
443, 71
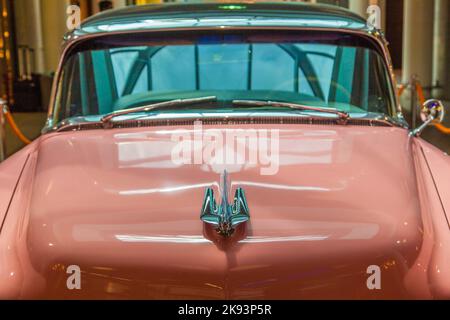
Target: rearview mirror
432, 112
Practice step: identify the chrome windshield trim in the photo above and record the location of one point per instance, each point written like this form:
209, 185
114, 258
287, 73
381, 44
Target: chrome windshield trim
77, 124
374, 34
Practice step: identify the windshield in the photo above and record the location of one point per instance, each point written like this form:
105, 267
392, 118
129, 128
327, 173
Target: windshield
326, 70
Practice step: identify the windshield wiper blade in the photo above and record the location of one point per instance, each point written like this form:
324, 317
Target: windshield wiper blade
343, 116
106, 120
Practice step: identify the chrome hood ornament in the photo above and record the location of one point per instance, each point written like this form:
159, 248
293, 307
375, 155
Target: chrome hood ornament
225, 217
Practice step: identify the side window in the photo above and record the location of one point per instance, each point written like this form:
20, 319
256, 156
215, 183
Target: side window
142, 82
70, 104
122, 61
322, 59
272, 68
345, 74
223, 67
173, 69
304, 83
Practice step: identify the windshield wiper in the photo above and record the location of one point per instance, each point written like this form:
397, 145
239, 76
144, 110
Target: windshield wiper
343, 116
106, 120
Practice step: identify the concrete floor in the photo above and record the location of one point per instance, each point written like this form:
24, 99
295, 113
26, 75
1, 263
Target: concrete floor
32, 123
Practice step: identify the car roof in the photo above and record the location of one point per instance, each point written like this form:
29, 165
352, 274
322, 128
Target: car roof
195, 15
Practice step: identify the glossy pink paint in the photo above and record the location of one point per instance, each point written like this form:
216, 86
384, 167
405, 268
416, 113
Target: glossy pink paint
114, 203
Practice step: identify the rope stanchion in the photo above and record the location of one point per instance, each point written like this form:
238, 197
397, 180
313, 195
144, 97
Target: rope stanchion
14, 126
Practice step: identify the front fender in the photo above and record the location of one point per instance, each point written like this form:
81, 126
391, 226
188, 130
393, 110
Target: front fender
429, 278
18, 278
439, 165
10, 172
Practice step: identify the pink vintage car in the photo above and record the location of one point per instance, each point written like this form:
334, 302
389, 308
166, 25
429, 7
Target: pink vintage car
226, 151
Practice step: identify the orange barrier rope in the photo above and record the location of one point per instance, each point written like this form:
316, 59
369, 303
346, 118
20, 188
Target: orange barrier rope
442, 128
14, 127
401, 88
420, 94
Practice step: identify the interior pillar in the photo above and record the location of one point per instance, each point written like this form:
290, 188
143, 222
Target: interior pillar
418, 41
440, 71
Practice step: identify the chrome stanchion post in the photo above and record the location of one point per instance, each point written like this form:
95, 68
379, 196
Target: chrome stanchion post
3, 110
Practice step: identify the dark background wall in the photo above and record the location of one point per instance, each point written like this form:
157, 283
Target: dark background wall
394, 30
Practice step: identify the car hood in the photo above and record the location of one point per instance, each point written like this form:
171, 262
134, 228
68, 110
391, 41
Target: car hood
117, 204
